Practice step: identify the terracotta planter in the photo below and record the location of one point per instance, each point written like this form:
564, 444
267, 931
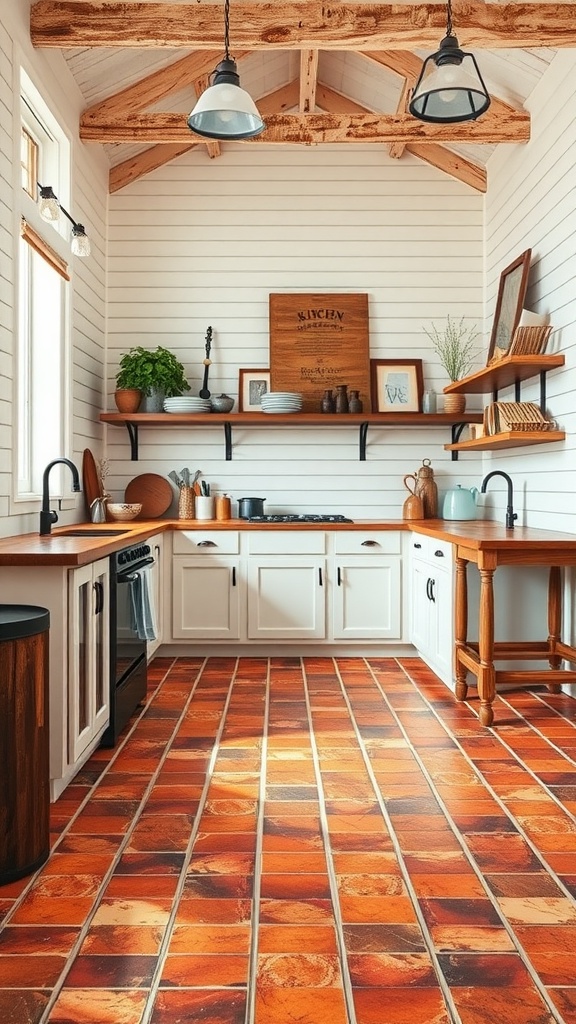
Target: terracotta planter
127, 399
454, 404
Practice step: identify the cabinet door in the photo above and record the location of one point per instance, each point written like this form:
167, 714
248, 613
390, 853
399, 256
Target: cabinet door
367, 598
205, 598
286, 598
420, 606
88, 656
441, 643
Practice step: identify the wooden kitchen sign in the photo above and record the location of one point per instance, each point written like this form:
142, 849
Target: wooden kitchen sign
319, 342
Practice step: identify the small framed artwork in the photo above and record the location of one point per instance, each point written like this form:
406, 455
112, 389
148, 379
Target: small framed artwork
511, 295
252, 384
396, 385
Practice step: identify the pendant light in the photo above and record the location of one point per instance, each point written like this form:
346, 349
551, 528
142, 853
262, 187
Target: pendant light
224, 110
450, 87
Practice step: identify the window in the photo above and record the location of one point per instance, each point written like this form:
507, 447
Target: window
42, 407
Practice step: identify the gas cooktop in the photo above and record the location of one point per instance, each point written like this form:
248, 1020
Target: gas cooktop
307, 518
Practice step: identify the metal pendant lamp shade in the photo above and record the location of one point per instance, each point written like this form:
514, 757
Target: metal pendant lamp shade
224, 110
450, 87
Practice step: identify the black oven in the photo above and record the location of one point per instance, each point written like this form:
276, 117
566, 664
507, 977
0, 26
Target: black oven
132, 618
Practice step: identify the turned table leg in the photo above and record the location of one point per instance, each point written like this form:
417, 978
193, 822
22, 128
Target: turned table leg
486, 672
554, 620
460, 626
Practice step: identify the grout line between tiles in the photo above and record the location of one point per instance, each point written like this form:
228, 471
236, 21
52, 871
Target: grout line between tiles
461, 839
442, 984
117, 856
169, 926
250, 1013
333, 882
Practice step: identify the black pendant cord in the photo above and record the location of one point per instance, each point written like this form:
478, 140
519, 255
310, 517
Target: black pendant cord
448, 18
227, 28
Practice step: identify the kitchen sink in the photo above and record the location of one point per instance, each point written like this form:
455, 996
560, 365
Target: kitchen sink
89, 533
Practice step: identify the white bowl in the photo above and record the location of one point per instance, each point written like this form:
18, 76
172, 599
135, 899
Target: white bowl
123, 512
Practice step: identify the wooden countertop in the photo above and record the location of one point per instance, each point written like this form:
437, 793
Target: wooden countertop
58, 548
487, 535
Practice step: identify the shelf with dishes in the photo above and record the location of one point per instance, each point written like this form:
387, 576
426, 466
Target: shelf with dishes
511, 371
363, 421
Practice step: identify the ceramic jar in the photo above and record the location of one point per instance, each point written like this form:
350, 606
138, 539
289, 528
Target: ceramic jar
355, 402
342, 398
328, 404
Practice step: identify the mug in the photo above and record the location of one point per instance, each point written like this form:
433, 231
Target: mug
204, 506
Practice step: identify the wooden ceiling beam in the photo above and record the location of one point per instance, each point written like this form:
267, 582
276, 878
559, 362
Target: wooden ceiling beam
308, 24
396, 149
308, 80
315, 128
437, 156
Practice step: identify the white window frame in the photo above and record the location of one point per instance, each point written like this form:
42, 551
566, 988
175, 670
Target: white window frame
54, 170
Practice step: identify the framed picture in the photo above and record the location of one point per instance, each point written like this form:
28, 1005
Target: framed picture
252, 384
509, 303
396, 385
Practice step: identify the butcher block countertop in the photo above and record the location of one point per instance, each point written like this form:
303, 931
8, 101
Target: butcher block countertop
60, 549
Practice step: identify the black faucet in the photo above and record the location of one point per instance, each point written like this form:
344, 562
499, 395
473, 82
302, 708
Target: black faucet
46, 516
510, 513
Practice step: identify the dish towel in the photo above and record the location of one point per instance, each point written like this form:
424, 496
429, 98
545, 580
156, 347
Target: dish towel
142, 604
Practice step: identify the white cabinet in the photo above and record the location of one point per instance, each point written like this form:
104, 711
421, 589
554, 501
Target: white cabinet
432, 603
206, 585
366, 586
78, 602
88, 656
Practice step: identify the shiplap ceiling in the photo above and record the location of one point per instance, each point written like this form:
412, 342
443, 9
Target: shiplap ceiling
318, 73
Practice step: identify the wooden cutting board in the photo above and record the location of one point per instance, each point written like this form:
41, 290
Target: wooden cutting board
153, 491
91, 483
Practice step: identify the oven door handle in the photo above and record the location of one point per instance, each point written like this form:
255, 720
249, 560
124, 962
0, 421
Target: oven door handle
129, 574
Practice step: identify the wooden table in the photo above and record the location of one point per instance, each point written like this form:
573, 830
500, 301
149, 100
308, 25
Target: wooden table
488, 545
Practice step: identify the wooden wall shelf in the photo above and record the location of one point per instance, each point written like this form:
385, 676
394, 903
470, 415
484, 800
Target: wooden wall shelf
133, 421
510, 439
506, 372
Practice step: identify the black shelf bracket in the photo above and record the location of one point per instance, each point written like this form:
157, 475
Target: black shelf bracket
228, 441
132, 429
362, 439
457, 429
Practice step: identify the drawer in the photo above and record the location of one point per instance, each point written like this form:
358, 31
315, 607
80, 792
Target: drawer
286, 542
376, 542
431, 549
205, 542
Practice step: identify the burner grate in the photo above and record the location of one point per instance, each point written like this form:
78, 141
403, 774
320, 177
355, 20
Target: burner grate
306, 518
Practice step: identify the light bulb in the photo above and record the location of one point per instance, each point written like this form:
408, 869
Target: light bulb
80, 244
49, 207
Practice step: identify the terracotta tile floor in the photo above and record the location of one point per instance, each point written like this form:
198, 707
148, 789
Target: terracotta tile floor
309, 841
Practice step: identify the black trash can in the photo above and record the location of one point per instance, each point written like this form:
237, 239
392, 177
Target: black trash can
24, 740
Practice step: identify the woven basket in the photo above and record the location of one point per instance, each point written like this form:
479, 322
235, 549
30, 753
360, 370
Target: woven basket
186, 503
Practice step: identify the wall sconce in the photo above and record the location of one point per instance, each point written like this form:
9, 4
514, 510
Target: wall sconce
450, 87
50, 207
224, 110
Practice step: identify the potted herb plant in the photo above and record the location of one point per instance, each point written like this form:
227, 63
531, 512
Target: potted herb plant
154, 373
454, 344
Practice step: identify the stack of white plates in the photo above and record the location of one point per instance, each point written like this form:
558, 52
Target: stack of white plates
186, 403
281, 401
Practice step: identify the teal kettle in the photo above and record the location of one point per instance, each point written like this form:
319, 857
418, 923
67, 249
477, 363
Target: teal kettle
460, 503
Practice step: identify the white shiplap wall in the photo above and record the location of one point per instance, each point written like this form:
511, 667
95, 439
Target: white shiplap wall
87, 291
202, 242
531, 203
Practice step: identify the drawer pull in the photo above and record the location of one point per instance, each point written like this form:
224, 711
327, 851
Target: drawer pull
439, 554
320, 582
417, 545
207, 544
233, 575
339, 577
370, 544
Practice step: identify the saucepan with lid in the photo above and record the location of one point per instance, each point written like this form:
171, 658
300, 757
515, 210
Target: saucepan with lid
248, 507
